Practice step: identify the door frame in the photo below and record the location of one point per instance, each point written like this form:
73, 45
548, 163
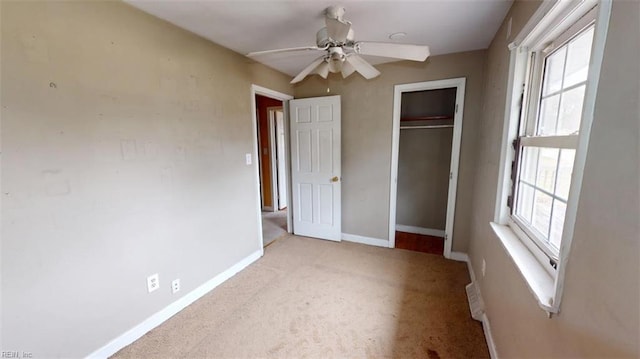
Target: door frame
261, 167
273, 143
458, 83
263, 91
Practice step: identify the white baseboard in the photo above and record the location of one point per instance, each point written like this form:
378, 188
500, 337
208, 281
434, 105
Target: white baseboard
489, 337
463, 257
160, 317
365, 240
420, 230
459, 256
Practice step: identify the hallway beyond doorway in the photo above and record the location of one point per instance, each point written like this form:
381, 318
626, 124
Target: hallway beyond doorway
274, 226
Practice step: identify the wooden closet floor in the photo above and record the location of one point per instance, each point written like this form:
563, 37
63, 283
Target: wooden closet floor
420, 243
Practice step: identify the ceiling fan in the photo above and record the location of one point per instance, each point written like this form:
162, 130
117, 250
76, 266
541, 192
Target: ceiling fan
342, 52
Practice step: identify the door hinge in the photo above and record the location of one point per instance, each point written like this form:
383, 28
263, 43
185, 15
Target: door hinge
446, 237
450, 175
456, 108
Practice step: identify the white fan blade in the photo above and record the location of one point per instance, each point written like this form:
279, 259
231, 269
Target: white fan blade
338, 29
347, 69
307, 70
396, 51
364, 68
323, 70
291, 49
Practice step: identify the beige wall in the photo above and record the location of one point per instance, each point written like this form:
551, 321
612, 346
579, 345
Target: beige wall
123, 145
600, 310
367, 111
424, 159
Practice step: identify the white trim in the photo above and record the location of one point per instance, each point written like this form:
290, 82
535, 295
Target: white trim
460, 257
569, 141
472, 273
258, 156
275, 193
395, 149
420, 230
597, 54
537, 248
287, 163
259, 90
172, 309
488, 336
547, 291
517, 67
459, 83
552, 24
365, 240
539, 28
486, 325
538, 280
533, 21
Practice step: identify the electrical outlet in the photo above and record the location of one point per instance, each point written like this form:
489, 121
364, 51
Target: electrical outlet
247, 158
153, 282
484, 267
175, 286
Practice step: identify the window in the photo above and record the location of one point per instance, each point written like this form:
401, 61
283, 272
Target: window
553, 76
548, 138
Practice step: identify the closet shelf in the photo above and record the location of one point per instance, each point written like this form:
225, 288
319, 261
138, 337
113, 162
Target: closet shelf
426, 118
427, 127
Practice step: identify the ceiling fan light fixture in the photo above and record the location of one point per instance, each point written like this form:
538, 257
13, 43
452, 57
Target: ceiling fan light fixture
342, 52
335, 66
335, 59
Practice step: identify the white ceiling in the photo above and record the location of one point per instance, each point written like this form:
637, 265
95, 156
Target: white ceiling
446, 26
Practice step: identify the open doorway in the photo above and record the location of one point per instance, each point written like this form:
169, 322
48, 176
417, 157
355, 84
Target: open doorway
427, 129
272, 154
277, 142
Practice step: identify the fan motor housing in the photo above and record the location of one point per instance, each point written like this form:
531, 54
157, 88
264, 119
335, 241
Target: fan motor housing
323, 39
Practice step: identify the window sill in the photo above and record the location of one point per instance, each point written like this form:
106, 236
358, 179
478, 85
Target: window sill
540, 283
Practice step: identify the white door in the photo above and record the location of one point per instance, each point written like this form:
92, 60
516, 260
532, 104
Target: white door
282, 168
315, 167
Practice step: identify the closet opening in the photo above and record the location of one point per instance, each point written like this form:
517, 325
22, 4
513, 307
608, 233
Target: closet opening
426, 147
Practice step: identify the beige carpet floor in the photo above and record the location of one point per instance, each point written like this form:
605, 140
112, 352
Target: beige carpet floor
309, 298
274, 226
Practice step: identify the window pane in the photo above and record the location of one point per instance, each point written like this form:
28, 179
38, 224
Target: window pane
548, 115
578, 59
525, 201
542, 212
571, 111
553, 68
565, 169
557, 223
547, 164
529, 164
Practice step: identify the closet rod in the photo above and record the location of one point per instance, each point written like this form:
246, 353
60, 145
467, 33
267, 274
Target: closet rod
425, 127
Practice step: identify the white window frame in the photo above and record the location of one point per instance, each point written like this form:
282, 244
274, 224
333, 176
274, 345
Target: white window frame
532, 95
551, 20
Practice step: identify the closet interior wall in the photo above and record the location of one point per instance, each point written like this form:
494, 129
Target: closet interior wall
424, 158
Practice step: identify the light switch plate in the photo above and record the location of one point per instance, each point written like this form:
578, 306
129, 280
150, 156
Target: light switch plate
248, 158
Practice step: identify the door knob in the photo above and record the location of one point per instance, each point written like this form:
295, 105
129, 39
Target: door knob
335, 179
